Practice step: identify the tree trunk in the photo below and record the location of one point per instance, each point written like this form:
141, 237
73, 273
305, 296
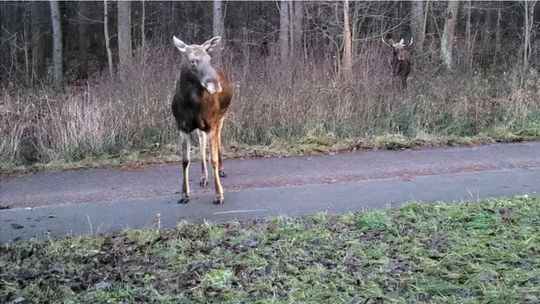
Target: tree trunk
347, 45
447, 39
527, 31
38, 40
57, 44
497, 34
4, 51
143, 25
355, 27
487, 33
417, 24
26, 43
107, 39
217, 28
124, 35
296, 29
83, 41
468, 33
284, 31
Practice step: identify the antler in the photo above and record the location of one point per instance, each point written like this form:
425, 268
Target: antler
410, 43
382, 39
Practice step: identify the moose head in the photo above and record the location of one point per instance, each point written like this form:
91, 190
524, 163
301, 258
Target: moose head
196, 63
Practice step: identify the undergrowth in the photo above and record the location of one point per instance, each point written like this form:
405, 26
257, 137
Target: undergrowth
272, 107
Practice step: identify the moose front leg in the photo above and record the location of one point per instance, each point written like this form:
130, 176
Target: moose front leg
186, 147
214, 155
204, 169
220, 160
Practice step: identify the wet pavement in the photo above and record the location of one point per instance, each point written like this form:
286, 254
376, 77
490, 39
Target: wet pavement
103, 200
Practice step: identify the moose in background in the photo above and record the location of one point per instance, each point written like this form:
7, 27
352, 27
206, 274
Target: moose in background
401, 59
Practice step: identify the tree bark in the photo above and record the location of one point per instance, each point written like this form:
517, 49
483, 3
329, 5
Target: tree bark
57, 44
347, 44
468, 33
497, 33
143, 25
487, 33
284, 31
447, 39
83, 40
296, 29
417, 24
107, 38
217, 28
527, 31
124, 34
38, 39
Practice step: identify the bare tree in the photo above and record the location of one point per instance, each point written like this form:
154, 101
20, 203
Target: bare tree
217, 28
447, 38
297, 13
417, 23
347, 44
107, 38
124, 34
57, 44
468, 8
528, 7
284, 31
38, 21
143, 24
83, 40
498, 32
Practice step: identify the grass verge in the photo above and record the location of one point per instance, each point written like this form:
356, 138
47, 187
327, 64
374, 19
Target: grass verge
481, 252
309, 145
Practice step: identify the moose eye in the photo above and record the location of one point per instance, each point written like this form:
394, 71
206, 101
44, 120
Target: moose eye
194, 62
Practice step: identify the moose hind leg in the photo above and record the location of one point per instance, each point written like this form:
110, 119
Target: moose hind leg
204, 169
186, 147
214, 151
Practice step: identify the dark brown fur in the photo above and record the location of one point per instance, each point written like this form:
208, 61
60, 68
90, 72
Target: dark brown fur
402, 64
194, 108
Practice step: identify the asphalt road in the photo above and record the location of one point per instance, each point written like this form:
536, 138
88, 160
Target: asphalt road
104, 200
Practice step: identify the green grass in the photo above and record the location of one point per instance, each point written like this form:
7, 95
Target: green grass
309, 145
456, 252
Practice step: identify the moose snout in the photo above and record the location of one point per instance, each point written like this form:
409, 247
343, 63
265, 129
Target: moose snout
212, 87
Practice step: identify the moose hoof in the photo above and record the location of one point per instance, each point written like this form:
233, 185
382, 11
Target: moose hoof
222, 173
184, 200
204, 182
219, 201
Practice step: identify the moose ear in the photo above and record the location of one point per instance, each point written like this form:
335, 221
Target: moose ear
180, 45
212, 43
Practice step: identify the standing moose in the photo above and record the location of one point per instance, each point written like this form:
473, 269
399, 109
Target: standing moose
401, 59
200, 102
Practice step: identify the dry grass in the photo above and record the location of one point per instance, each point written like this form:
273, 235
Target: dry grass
107, 117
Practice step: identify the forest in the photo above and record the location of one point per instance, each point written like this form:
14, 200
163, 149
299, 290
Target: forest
91, 81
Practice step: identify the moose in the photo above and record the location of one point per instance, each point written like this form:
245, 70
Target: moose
401, 60
200, 102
